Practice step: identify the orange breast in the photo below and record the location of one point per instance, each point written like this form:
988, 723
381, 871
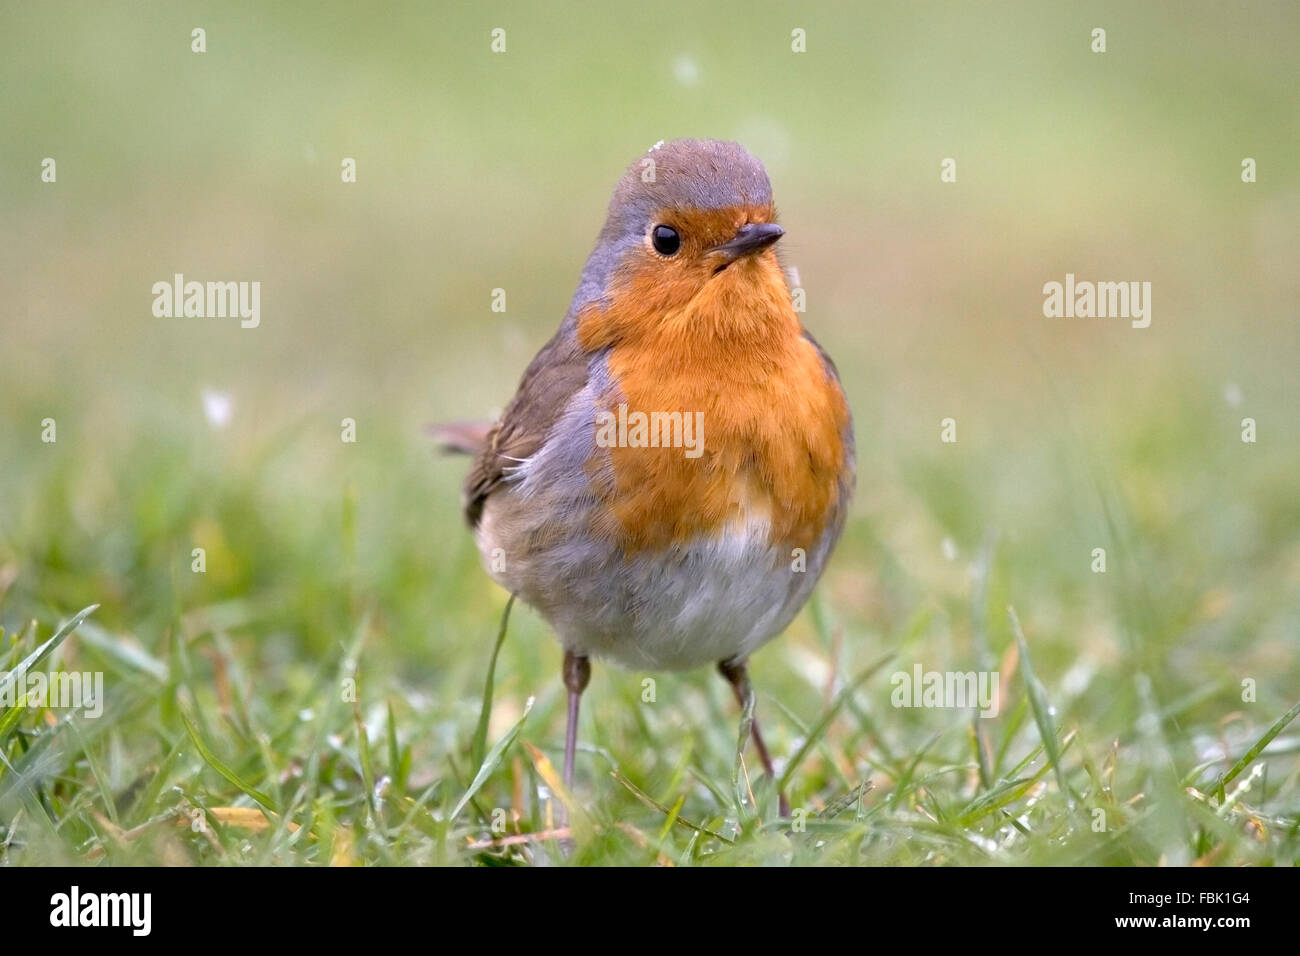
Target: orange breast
772, 419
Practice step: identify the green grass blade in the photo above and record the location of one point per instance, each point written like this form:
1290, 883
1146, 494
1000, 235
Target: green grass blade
14, 714
1038, 704
739, 784
672, 814
819, 728
491, 760
215, 762
1249, 756
485, 708
38, 655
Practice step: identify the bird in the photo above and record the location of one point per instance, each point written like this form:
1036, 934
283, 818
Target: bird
677, 464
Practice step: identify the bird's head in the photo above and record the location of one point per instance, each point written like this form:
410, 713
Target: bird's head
688, 239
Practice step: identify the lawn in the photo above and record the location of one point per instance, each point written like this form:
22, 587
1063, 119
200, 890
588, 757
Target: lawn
296, 643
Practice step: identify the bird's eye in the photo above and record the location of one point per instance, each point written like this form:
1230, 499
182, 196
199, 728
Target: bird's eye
665, 240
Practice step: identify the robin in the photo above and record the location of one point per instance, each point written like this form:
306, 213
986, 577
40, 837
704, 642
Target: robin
671, 476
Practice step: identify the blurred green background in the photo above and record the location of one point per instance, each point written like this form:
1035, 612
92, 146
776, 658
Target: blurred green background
479, 171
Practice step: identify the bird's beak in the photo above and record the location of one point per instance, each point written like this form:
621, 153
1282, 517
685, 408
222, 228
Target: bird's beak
750, 238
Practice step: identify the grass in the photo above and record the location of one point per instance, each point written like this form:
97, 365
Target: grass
334, 686
301, 702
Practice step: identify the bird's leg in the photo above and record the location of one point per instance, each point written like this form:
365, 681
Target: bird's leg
737, 675
577, 671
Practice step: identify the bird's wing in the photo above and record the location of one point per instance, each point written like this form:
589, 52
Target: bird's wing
850, 449
827, 361
558, 371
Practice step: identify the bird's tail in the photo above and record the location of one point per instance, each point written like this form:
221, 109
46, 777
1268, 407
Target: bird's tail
460, 438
